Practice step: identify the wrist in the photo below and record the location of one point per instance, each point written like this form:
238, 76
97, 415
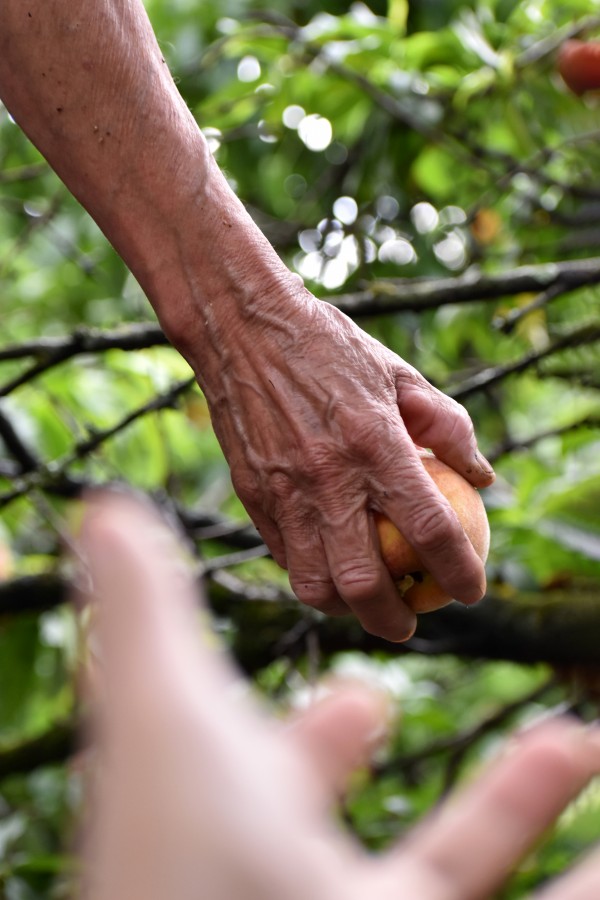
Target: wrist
216, 277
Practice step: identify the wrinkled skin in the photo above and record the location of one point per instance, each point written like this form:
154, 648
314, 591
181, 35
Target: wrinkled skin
196, 791
316, 419
319, 423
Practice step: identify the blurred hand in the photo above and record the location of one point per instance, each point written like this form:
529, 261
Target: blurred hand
201, 793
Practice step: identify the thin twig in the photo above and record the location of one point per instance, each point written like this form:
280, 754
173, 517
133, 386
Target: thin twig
45, 475
588, 334
506, 324
464, 740
512, 445
52, 351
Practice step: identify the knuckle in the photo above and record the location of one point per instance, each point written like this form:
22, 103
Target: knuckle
370, 436
279, 484
319, 462
433, 528
408, 378
363, 434
357, 580
247, 488
462, 424
318, 593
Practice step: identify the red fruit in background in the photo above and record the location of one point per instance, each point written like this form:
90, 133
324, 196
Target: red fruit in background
579, 65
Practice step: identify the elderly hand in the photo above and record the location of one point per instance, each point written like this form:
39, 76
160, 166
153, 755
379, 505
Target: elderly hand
317, 420
319, 424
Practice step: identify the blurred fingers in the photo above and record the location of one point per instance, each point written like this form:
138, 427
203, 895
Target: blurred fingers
339, 732
581, 883
151, 656
468, 849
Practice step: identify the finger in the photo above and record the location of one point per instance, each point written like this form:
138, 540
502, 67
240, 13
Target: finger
251, 496
581, 883
339, 732
467, 850
360, 576
269, 532
426, 519
309, 571
439, 423
147, 600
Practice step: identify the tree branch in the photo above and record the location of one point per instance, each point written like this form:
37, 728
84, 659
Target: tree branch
382, 296
23, 173
52, 351
587, 334
512, 445
549, 45
23, 456
507, 324
558, 627
53, 746
462, 741
419, 294
44, 477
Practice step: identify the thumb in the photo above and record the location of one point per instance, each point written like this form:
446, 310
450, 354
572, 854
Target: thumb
339, 732
439, 423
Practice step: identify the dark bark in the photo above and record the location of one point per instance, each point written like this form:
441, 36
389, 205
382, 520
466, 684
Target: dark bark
557, 627
53, 746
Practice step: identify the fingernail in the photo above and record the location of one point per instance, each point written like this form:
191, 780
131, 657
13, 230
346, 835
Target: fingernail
483, 463
472, 600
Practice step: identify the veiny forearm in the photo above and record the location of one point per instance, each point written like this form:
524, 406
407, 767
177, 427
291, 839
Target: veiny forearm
87, 82
317, 421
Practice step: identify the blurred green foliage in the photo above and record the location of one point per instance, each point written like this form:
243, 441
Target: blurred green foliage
372, 142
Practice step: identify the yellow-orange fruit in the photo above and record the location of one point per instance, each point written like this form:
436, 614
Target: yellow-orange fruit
6, 565
416, 586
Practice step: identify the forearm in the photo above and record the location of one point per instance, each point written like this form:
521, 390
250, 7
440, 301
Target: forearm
87, 82
318, 422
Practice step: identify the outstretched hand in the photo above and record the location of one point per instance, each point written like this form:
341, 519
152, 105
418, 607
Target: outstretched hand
200, 792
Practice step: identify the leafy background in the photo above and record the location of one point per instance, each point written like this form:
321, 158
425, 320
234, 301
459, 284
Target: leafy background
425, 168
